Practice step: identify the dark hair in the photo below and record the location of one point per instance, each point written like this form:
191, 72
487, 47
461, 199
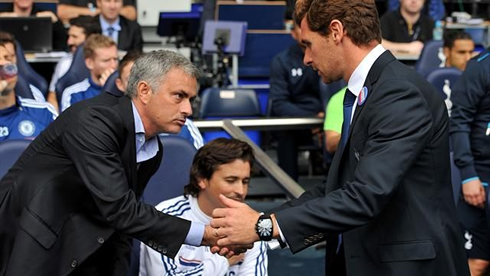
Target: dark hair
215, 153
89, 24
130, 56
359, 18
450, 36
6, 38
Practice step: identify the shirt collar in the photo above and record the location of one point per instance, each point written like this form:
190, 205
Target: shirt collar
145, 149
93, 84
358, 78
138, 124
104, 24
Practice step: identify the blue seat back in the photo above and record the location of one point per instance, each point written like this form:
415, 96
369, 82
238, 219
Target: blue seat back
173, 174
77, 72
26, 71
444, 79
110, 84
221, 103
229, 103
10, 151
168, 182
22, 88
432, 57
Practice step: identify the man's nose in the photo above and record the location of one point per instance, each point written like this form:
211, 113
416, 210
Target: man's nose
307, 60
187, 108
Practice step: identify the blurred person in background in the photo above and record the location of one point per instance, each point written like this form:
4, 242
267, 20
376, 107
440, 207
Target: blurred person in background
24, 8
68, 9
80, 28
101, 59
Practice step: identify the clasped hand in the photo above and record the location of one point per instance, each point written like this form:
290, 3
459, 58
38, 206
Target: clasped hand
232, 230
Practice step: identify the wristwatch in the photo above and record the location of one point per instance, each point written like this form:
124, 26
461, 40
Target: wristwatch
263, 228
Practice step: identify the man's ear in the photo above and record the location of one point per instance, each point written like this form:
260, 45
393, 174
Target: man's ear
119, 85
89, 63
203, 183
446, 51
144, 92
336, 29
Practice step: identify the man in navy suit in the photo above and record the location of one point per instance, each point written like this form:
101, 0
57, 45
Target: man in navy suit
387, 205
71, 201
125, 32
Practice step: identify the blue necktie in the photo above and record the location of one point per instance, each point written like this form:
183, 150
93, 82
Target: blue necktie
110, 31
349, 100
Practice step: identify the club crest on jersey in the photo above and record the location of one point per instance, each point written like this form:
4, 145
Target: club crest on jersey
27, 128
362, 96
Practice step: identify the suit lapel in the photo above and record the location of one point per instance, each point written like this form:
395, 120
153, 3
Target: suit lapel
333, 181
123, 35
129, 150
371, 79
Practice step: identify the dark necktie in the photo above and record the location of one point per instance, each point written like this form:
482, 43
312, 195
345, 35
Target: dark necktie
110, 31
349, 100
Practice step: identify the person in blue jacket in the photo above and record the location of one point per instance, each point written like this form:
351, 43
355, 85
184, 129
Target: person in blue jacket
19, 118
294, 92
470, 137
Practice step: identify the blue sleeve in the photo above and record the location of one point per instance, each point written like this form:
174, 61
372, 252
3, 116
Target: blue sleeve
466, 95
280, 94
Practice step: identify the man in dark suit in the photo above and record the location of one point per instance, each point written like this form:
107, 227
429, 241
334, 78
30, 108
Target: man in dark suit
71, 201
388, 192
125, 32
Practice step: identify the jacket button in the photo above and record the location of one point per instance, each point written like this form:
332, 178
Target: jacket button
100, 240
74, 263
160, 248
150, 243
164, 250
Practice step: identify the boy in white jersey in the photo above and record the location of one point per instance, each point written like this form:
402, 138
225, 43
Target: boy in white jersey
222, 166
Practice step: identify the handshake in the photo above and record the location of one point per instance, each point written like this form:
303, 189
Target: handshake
233, 229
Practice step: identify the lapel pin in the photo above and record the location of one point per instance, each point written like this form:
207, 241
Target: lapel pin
362, 96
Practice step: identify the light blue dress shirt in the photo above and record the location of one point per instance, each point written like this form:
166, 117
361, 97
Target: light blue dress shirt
104, 25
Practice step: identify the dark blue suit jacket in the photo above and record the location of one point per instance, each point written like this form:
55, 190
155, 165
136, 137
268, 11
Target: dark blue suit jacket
76, 190
389, 191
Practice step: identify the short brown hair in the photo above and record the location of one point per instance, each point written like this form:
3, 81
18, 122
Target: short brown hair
215, 153
96, 41
359, 18
6, 38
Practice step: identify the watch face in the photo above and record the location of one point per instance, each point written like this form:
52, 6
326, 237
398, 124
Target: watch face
264, 227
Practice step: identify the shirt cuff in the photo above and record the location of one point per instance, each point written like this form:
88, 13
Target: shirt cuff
474, 178
468, 172
281, 240
195, 235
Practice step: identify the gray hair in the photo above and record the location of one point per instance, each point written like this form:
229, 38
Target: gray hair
154, 66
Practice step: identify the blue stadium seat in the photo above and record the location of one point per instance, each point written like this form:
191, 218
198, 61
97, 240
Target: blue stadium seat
222, 103
22, 88
443, 79
77, 72
430, 58
26, 72
110, 84
168, 182
10, 151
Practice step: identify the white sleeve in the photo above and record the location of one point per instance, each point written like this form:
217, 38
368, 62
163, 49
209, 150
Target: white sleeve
37, 94
196, 135
255, 261
153, 263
